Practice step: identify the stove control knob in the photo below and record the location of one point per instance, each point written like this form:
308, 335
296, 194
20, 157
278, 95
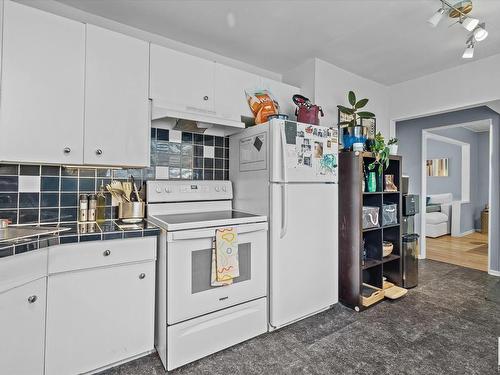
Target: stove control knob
223, 188
158, 190
168, 190
217, 188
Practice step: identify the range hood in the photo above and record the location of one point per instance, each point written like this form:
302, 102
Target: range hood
206, 120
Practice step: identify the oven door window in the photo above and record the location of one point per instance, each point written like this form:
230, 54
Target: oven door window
201, 266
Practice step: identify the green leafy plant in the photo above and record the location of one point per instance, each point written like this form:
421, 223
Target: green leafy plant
354, 110
392, 141
381, 151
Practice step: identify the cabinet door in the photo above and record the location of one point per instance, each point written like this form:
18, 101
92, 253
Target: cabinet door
98, 317
42, 95
22, 327
180, 81
116, 99
230, 86
283, 93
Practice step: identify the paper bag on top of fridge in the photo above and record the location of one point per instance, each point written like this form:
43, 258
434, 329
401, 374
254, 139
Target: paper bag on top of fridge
262, 104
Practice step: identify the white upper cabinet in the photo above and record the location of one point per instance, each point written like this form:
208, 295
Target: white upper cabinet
42, 96
180, 81
230, 86
116, 99
283, 93
22, 327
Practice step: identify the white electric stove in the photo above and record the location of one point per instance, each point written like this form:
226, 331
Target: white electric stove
194, 319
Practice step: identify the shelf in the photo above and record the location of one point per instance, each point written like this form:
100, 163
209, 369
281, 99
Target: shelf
392, 192
371, 229
369, 263
372, 192
391, 226
390, 258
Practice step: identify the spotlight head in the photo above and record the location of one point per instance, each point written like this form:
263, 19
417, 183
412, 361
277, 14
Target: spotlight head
469, 51
436, 17
469, 23
480, 33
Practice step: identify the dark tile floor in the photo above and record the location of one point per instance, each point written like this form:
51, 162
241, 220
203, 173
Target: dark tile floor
449, 324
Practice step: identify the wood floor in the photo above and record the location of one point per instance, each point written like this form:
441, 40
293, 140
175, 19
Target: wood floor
469, 251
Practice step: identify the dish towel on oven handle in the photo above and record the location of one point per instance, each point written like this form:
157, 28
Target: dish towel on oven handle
225, 263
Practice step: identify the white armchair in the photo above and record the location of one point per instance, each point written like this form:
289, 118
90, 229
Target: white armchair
439, 223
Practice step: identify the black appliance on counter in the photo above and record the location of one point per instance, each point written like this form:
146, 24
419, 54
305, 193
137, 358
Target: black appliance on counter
410, 238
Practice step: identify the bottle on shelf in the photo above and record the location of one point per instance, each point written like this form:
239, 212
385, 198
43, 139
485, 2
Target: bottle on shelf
101, 204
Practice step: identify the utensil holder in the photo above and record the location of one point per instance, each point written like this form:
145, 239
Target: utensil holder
131, 210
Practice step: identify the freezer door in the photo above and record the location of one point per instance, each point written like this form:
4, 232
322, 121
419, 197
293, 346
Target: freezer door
303, 250
302, 152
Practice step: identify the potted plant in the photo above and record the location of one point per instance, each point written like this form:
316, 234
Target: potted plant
393, 146
381, 151
354, 133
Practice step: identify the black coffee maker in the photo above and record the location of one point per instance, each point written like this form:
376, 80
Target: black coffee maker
410, 238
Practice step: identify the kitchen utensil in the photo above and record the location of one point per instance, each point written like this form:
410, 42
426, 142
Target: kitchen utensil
127, 190
115, 195
131, 212
136, 192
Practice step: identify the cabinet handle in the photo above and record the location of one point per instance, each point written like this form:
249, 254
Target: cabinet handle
67, 150
32, 299
142, 276
205, 98
106, 253
98, 151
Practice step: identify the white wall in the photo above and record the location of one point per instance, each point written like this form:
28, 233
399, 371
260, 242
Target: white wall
327, 85
464, 86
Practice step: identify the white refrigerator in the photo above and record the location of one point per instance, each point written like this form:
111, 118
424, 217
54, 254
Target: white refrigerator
288, 171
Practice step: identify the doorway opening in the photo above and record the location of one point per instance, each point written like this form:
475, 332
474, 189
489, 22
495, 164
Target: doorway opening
456, 185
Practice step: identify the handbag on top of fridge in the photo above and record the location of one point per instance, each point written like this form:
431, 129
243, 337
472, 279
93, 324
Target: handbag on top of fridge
306, 111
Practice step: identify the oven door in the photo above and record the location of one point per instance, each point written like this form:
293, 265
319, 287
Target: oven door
189, 262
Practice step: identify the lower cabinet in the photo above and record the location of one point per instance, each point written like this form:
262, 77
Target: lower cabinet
22, 328
100, 316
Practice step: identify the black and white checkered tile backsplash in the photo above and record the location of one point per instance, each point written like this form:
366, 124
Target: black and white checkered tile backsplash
49, 194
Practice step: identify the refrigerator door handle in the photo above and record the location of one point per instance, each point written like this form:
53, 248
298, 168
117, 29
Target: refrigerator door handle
284, 212
283, 152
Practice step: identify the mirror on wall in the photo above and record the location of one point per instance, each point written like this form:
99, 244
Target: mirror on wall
437, 167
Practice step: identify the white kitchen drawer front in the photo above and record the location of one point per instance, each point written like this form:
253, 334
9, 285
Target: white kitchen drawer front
22, 268
188, 272
83, 255
98, 317
43, 67
181, 81
197, 338
22, 329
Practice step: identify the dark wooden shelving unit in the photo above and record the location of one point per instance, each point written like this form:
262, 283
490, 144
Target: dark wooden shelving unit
353, 270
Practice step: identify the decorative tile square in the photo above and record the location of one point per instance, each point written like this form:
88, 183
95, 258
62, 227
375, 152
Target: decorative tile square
49, 200
198, 139
162, 134
187, 137
208, 151
219, 152
50, 170
174, 173
50, 184
29, 184
208, 163
69, 199
219, 141
208, 140
9, 169
8, 200
69, 184
187, 174
28, 216
175, 136
218, 174
162, 173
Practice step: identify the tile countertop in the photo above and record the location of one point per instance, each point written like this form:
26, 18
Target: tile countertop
108, 230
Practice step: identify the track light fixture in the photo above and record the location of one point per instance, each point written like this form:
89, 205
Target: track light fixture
459, 11
469, 51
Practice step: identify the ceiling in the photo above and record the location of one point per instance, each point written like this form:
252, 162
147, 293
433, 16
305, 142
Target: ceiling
478, 126
387, 41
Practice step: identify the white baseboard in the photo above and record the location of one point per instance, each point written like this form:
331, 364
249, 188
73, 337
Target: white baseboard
466, 233
494, 273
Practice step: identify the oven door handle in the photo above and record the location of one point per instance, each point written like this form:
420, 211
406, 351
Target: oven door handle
210, 233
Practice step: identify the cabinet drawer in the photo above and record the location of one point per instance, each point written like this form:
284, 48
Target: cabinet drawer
100, 253
197, 338
20, 269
